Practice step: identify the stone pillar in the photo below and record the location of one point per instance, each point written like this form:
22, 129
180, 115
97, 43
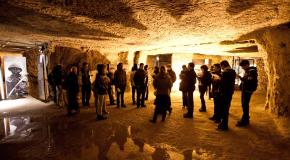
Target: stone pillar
276, 42
262, 75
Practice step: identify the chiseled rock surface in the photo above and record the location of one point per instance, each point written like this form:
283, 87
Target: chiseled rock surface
118, 25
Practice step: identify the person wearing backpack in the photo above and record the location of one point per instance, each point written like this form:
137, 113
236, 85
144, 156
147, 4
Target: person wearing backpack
248, 86
204, 79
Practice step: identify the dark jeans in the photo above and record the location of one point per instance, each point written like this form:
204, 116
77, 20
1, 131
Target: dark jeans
86, 94
72, 101
184, 99
110, 93
189, 97
146, 92
202, 90
120, 94
246, 97
217, 106
163, 104
226, 100
134, 90
140, 96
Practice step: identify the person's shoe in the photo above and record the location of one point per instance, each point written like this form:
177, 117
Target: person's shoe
99, 117
242, 123
152, 121
202, 110
143, 105
134, 103
187, 115
170, 110
105, 112
212, 118
111, 104
222, 127
123, 106
217, 121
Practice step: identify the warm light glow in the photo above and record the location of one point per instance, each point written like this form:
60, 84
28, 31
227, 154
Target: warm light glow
21, 104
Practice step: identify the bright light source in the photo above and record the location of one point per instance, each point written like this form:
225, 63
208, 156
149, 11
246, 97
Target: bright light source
206, 61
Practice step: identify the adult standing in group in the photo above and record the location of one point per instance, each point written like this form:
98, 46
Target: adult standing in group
162, 84
120, 81
146, 82
182, 86
58, 78
139, 79
216, 92
248, 86
72, 90
100, 89
190, 80
133, 86
86, 84
110, 75
204, 81
227, 90
171, 73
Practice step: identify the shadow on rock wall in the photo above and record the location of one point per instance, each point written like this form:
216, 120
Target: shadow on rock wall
71, 56
176, 8
112, 11
237, 6
44, 24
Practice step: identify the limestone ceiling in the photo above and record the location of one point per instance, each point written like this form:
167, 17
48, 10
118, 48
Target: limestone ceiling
155, 26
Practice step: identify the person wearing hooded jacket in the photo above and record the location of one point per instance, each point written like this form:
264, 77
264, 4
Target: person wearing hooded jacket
248, 86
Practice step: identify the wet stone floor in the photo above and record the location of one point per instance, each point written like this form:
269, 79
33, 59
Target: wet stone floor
37, 131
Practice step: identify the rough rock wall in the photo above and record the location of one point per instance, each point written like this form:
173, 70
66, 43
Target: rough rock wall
32, 69
71, 56
276, 42
262, 76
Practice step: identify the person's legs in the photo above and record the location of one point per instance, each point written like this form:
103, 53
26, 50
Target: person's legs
143, 96
184, 99
202, 91
246, 97
190, 107
147, 92
100, 105
88, 95
122, 97
226, 103
138, 97
84, 95
118, 97
110, 93
133, 94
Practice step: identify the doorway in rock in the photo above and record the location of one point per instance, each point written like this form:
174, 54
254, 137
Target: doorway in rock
157, 60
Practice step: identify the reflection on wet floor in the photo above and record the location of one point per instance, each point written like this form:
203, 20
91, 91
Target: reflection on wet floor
15, 127
67, 140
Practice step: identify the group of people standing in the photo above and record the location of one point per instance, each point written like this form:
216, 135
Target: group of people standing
220, 82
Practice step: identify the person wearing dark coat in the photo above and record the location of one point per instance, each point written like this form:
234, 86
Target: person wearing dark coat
216, 92
182, 86
146, 82
86, 84
110, 88
190, 80
204, 81
120, 81
100, 90
162, 84
248, 86
227, 90
133, 87
139, 80
72, 90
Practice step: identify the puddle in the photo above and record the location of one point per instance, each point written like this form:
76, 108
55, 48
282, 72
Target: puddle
63, 139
